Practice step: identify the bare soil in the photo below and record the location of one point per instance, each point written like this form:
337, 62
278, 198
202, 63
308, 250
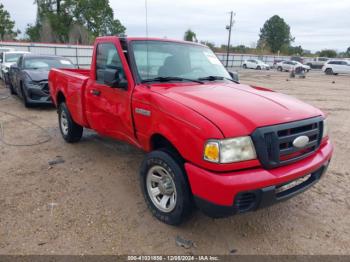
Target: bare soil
88, 201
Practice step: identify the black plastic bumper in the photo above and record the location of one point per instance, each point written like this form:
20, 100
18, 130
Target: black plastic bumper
259, 198
38, 96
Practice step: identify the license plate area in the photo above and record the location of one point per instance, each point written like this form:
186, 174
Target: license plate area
292, 186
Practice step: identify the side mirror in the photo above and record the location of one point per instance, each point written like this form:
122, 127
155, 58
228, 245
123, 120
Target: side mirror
112, 78
234, 76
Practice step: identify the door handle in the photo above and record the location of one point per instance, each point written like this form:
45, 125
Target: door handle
95, 92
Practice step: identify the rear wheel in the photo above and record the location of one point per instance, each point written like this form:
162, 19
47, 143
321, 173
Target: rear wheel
165, 187
71, 131
329, 71
279, 68
258, 67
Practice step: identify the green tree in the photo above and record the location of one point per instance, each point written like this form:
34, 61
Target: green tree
6, 24
275, 34
190, 36
98, 17
347, 52
292, 50
57, 14
211, 45
328, 53
94, 15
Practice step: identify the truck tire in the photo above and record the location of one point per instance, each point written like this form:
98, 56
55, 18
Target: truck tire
71, 131
244, 66
165, 188
279, 69
258, 67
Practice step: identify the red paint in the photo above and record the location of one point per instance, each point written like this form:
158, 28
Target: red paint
187, 115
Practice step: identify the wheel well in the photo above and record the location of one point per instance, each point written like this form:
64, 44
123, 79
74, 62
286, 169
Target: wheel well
160, 142
60, 98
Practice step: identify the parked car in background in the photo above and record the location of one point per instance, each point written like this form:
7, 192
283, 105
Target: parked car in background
316, 62
297, 59
6, 49
277, 61
255, 64
291, 65
29, 77
334, 67
7, 59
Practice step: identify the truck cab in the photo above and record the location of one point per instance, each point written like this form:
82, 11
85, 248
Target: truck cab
210, 141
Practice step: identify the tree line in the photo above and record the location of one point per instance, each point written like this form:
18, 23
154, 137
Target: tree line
81, 21
274, 38
65, 21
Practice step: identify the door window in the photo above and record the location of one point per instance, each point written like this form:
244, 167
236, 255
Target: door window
107, 58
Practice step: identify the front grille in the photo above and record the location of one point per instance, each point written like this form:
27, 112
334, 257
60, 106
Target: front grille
274, 144
45, 87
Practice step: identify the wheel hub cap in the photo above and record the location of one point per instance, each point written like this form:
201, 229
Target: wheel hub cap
161, 188
64, 122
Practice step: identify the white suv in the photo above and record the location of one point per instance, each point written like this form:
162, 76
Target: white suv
334, 67
255, 64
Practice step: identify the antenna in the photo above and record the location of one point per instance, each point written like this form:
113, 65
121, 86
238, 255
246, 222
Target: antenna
147, 58
146, 10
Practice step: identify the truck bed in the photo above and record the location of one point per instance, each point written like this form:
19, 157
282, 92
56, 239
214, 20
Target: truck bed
71, 83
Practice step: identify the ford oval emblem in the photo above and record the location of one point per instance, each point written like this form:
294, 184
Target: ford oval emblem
301, 141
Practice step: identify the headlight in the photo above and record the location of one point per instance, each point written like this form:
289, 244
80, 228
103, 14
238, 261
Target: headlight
325, 128
229, 150
6, 69
33, 85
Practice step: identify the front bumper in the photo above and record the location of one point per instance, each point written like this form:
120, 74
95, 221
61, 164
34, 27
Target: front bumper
38, 95
223, 194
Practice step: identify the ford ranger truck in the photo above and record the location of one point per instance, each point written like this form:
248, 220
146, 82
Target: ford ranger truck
211, 142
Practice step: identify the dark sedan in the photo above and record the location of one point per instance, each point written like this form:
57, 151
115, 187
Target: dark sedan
28, 78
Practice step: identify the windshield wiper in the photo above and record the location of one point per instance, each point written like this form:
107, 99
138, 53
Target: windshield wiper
170, 78
214, 78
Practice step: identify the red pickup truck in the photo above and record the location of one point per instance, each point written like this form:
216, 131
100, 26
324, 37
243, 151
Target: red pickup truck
213, 143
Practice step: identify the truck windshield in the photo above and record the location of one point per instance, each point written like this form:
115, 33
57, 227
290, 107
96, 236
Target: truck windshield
162, 59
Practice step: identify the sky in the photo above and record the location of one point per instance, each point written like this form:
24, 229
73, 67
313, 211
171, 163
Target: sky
315, 24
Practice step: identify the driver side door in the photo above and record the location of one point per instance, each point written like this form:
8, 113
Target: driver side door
108, 106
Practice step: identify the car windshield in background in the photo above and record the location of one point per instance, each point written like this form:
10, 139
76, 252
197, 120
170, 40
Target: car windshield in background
159, 59
9, 58
47, 63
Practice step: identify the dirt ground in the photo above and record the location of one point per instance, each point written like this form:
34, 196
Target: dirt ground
89, 202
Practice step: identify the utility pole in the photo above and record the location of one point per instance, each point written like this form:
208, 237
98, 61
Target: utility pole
229, 27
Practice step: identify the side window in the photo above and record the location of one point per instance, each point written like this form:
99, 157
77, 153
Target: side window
107, 58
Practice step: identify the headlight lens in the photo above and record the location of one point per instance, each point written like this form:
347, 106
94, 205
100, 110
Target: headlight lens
325, 128
229, 150
33, 85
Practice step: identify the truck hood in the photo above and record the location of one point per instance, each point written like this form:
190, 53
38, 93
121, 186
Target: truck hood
37, 75
238, 109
